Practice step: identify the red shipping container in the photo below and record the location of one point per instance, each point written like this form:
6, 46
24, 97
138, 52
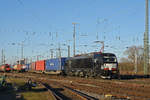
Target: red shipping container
40, 65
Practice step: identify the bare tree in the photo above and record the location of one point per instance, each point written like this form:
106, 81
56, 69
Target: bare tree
134, 59
124, 60
134, 52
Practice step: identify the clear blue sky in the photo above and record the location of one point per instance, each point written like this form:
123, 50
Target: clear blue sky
38, 21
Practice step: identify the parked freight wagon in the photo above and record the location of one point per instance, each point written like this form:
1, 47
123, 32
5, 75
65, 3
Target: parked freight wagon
55, 66
5, 68
40, 65
19, 68
27, 67
32, 67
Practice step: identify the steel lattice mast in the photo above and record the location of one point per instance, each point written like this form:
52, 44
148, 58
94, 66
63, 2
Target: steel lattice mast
146, 41
74, 39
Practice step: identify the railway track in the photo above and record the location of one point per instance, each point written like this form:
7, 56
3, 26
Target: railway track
53, 94
118, 91
81, 95
116, 88
126, 90
56, 96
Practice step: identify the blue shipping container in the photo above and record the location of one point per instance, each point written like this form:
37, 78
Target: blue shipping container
55, 64
27, 67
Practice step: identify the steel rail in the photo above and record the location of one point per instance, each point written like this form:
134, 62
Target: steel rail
54, 95
80, 94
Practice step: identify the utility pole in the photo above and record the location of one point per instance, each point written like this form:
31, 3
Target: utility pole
74, 38
56, 53
51, 50
102, 46
68, 50
2, 57
135, 61
37, 58
146, 41
4, 60
22, 50
59, 50
97, 36
31, 59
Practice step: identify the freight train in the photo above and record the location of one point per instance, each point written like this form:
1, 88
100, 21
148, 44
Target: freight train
49, 66
5, 68
95, 64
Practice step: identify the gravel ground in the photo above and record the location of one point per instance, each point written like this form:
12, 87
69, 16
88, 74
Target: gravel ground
131, 88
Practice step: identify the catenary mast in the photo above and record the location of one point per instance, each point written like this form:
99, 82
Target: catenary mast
146, 41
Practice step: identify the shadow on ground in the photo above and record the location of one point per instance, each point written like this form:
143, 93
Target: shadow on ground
8, 93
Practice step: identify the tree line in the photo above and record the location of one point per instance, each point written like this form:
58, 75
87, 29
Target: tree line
133, 61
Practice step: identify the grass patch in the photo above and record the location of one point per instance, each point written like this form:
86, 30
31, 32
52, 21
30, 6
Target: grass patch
36, 93
36, 96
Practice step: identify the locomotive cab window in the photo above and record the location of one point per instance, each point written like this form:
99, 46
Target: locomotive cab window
109, 58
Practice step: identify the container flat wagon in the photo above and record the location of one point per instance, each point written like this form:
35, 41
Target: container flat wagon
55, 65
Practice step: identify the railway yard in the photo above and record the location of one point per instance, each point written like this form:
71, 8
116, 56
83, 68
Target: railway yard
74, 50
51, 87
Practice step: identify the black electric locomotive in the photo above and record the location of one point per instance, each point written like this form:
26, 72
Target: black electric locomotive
96, 64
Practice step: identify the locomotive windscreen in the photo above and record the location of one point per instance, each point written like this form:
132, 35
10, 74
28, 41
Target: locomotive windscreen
109, 58
82, 63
